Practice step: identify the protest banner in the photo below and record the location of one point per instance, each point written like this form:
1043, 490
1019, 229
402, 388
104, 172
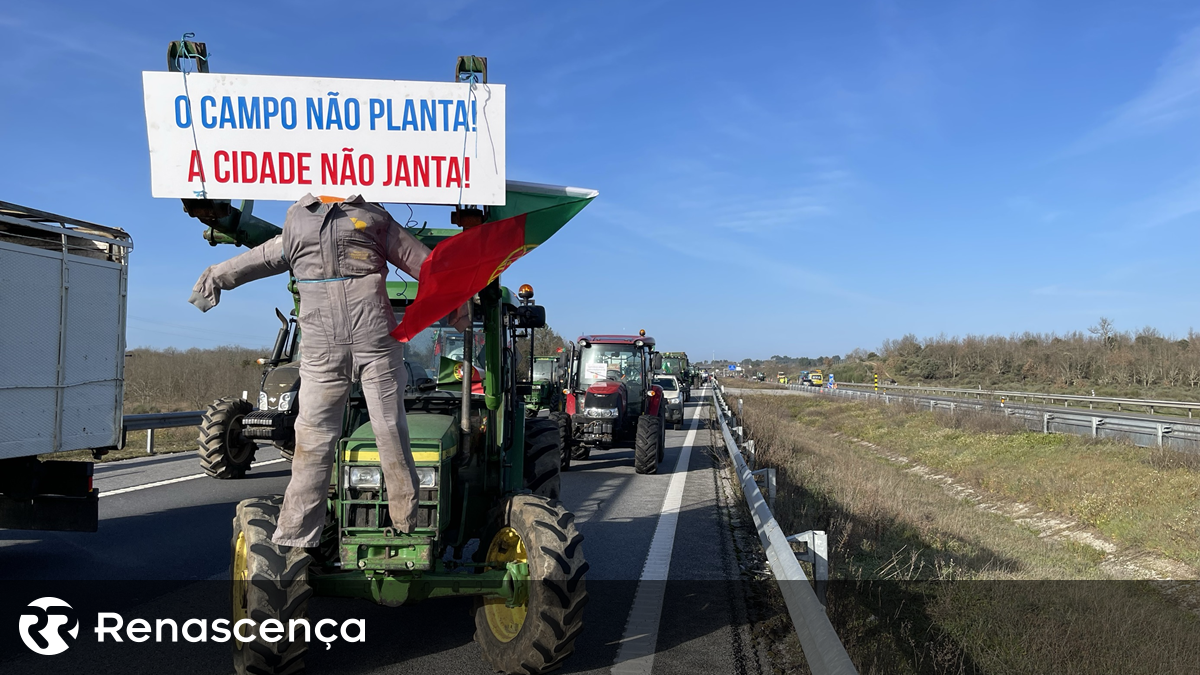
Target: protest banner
221, 136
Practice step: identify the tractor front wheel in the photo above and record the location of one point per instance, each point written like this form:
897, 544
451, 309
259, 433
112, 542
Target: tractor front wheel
542, 463
534, 630
563, 420
647, 448
269, 582
224, 451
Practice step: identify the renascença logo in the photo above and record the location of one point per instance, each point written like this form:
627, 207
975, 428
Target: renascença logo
42, 631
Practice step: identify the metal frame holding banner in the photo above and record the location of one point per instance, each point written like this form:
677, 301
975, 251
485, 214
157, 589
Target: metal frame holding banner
222, 136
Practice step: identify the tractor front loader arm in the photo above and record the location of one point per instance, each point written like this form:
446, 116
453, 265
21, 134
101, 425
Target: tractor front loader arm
228, 224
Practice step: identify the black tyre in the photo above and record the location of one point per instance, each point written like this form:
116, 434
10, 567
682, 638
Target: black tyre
647, 448
662, 437
542, 463
224, 451
537, 635
563, 420
269, 582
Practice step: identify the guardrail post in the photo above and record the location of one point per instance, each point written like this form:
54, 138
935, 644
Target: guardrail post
1046, 417
751, 453
739, 408
1096, 422
150, 441
815, 544
952, 407
768, 475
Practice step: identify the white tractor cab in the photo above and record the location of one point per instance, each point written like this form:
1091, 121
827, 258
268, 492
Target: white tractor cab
673, 395
612, 399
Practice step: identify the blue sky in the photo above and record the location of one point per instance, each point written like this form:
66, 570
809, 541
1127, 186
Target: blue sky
800, 178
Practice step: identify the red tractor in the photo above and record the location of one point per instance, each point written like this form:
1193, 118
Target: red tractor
612, 398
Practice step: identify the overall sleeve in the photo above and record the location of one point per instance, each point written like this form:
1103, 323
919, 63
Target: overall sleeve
405, 251
257, 263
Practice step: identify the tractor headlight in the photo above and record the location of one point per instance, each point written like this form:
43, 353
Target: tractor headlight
427, 476
262, 400
364, 477
603, 413
285, 400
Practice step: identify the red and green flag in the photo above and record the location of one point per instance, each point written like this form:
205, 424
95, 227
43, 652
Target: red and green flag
464, 264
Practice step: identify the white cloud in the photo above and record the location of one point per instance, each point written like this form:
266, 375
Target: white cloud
1173, 96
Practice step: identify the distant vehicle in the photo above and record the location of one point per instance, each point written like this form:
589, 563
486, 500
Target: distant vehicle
673, 396
781, 377
677, 364
816, 378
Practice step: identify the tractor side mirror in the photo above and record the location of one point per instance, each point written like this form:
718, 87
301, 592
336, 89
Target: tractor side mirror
530, 316
656, 361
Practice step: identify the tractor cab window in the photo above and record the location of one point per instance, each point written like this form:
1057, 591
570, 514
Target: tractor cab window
543, 371
441, 340
619, 363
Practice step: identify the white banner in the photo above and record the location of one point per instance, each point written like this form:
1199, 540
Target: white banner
265, 137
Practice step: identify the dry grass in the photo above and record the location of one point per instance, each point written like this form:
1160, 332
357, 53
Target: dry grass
930, 584
1138, 497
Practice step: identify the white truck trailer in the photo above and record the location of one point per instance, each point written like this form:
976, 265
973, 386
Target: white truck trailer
62, 362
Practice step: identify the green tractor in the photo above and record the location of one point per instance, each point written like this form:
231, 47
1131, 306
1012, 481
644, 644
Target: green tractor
545, 385
676, 363
489, 521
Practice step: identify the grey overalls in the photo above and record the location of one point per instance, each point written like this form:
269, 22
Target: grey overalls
339, 253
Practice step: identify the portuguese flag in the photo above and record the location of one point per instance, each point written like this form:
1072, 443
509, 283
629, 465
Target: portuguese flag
464, 264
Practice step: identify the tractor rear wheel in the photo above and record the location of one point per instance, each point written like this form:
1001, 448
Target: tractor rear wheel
224, 451
563, 420
647, 448
542, 463
536, 633
269, 582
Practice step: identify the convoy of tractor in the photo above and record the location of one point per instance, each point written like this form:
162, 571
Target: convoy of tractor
490, 435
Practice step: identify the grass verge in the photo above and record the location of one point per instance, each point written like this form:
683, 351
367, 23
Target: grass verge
926, 582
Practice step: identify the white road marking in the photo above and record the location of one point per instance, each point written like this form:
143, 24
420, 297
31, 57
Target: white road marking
135, 488
636, 654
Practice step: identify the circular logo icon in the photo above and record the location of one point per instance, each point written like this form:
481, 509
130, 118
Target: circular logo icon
43, 628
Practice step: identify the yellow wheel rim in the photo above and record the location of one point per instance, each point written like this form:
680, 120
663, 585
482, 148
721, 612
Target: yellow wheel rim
505, 622
241, 577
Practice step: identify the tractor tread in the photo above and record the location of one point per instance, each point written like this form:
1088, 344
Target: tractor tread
542, 463
647, 448
555, 617
277, 589
563, 420
217, 458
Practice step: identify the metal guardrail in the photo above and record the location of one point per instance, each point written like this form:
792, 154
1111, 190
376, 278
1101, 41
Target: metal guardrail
1026, 396
150, 421
822, 648
1180, 434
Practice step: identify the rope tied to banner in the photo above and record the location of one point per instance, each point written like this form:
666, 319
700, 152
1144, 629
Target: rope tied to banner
462, 160
183, 54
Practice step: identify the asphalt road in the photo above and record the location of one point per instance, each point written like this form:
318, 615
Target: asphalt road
162, 520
